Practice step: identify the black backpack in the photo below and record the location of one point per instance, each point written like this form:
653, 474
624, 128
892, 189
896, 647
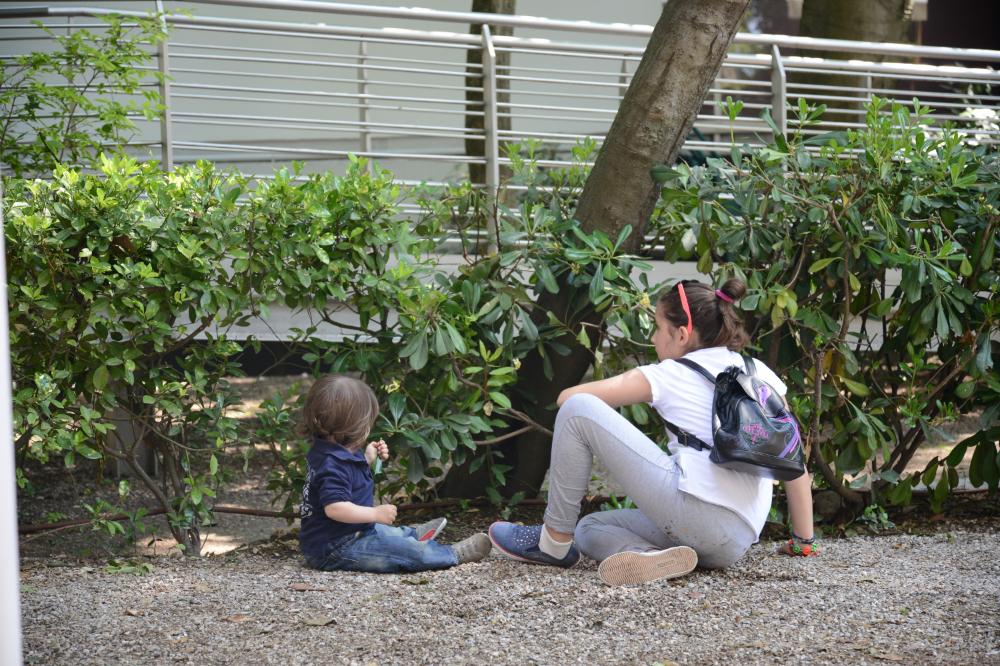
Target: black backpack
751, 429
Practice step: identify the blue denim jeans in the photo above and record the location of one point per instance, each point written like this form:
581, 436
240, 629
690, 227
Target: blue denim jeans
385, 549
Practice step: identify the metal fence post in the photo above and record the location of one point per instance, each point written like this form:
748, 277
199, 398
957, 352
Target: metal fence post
366, 137
623, 78
10, 580
166, 134
492, 146
778, 91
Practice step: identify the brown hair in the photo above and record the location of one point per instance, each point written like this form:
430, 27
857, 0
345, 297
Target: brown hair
340, 409
713, 317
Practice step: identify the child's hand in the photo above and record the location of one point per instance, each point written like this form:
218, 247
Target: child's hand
377, 449
385, 514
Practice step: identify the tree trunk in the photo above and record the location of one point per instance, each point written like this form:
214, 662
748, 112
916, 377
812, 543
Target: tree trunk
861, 20
681, 60
475, 147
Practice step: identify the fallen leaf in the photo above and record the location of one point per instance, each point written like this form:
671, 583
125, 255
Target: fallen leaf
306, 587
319, 620
239, 617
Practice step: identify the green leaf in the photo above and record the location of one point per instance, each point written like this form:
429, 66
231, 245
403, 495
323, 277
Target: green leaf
857, 388
821, 264
213, 465
100, 378
500, 399
419, 358
965, 389
87, 452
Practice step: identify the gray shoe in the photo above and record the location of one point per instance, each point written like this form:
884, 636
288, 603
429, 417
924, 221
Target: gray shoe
429, 530
629, 568
473, 549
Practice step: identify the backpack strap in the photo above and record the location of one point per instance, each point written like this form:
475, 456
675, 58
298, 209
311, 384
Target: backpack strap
684, 437
749, 364
697, 368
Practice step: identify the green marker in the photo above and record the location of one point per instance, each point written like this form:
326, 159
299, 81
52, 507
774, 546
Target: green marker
378, 465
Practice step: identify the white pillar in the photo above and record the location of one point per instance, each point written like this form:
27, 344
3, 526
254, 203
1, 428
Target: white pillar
10, 594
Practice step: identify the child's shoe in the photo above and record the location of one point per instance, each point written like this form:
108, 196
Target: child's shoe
430, 529
520, 542
473, 549
629, 568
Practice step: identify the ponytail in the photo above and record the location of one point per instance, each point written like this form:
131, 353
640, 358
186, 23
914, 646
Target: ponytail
713, 312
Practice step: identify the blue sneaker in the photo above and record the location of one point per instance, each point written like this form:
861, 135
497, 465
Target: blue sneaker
520, 542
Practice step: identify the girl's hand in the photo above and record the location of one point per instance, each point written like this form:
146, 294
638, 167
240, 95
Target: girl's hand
377, 449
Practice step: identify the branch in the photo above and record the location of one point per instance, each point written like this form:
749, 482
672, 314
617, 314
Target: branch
814, 449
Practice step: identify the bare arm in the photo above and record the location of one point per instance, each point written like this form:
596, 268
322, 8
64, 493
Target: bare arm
348, 512
628, 388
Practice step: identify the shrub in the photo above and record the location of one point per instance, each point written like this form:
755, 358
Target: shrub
872, 264
67, 105
111, 277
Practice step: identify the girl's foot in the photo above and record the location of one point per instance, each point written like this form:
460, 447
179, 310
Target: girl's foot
630, 568
520, 542
430, 529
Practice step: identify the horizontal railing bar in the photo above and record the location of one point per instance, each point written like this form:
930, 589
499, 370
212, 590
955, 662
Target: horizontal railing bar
899, 100
897, 70
315, 151
553, 70
287, 125
286, 61
339, 105
577, 51
367, 57
317, 93
322, 121
335, 37
327, 79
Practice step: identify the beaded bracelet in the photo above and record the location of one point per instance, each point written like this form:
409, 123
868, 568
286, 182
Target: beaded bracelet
802, 547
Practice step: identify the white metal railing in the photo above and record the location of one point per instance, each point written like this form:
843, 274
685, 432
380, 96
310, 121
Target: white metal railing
254, 92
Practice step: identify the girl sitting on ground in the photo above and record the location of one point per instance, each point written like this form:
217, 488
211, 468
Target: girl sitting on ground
691, 511
341, 527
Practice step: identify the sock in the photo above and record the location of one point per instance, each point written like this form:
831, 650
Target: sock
551, 547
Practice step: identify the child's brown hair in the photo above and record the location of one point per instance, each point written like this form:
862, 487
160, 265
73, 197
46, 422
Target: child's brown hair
713, 312
339, 409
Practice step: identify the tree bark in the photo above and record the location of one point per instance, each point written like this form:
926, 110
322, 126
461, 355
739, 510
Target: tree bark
861, 20
681, 60
475, 147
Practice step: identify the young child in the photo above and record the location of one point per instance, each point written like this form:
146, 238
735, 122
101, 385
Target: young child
691, 512
341, 528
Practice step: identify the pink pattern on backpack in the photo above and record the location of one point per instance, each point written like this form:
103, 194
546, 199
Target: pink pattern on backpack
754, 431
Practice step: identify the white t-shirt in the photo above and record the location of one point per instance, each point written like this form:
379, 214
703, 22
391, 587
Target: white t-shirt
684, 397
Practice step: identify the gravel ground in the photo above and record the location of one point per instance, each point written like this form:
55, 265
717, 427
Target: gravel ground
895, 598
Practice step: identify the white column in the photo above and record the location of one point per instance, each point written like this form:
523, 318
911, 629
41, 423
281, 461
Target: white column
10, 593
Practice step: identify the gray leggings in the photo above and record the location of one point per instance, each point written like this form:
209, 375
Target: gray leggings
586, 426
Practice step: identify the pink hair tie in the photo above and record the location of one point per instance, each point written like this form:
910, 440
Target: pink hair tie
724, 296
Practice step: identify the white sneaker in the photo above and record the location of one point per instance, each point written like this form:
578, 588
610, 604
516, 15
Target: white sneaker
630, 568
